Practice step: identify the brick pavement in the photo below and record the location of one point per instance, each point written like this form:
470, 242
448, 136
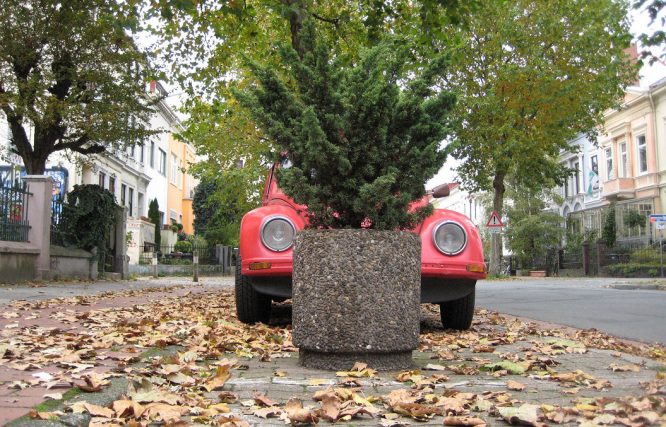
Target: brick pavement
294, 381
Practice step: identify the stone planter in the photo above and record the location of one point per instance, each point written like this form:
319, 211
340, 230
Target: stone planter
356, 297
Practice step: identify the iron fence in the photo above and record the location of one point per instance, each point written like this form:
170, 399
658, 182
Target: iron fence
14, 223
571, 258
179, 254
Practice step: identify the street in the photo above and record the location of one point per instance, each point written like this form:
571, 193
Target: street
615, 306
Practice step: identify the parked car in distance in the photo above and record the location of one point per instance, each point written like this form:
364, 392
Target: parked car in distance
451, 257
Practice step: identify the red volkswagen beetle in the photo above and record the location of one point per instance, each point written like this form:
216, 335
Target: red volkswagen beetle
451, 257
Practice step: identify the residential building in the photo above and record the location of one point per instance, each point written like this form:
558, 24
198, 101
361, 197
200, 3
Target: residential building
135, 175
627, 167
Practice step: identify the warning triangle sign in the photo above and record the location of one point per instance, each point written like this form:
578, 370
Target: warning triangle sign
494, 220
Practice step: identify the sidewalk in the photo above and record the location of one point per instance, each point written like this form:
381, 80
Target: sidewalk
175, 349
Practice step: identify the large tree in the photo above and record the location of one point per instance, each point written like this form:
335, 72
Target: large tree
531, 75
220, 37
70, 72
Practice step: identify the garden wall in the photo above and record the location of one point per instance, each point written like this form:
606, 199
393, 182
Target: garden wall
180, 270
72, 263
18, 262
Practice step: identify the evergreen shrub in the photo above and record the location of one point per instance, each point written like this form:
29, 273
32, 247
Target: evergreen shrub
362, 137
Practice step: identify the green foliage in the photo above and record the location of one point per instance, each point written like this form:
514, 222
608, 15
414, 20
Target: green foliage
221, 38
609, 231
362, 138
532, 75
154, 215
657, 38
533, 234
183, 246
633, 270
219, 204
634, 218
89, 215
71, 71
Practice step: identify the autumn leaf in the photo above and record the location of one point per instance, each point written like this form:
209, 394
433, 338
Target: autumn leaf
36, 415
221, 376
525, 414
297, 414
624, 368
262, 400
127, 408
510, 367
515, 386
164, 412
464, 421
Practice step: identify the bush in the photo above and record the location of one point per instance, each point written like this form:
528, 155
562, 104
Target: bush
183, 246
88, 216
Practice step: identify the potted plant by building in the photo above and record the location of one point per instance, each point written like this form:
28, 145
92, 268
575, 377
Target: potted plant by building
357, 142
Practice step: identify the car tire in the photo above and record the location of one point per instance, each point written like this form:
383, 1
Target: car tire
251, 306
458, 314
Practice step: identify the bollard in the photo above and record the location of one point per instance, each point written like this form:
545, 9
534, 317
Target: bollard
155, 265
195, 263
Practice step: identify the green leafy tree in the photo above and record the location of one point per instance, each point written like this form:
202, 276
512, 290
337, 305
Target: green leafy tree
219, 205
609, 230
654, 41
533, 233
363, 138
154, 215
223, 36
69, 70
532, 75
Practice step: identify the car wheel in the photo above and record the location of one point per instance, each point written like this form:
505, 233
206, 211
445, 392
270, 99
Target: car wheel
251, 306
458, 314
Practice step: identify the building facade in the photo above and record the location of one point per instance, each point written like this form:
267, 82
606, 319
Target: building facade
134, 175
625, 169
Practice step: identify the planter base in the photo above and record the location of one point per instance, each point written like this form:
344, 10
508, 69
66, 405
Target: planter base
344, 361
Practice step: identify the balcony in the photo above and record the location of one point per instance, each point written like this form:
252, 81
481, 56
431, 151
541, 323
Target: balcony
619, 189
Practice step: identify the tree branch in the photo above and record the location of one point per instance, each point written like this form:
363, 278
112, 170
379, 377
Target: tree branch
333, 21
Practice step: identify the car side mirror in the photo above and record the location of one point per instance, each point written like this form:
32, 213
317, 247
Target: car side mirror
441, 191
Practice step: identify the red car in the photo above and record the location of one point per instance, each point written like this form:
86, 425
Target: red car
451, 257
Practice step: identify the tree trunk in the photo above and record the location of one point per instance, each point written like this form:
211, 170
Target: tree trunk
295, 24
495, 267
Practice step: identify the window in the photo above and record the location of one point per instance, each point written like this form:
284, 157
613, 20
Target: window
123, 190
152, 154
642, 154
141, 153
594, 163
102, 179
161, 166
130, 200
609, 164
174, 169
577, 177
112, 185
623, 160
594, 175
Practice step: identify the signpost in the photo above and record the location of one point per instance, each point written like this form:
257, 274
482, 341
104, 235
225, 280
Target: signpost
495, 223
660, 224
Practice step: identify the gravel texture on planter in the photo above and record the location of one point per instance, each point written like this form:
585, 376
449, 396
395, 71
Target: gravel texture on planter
356, 297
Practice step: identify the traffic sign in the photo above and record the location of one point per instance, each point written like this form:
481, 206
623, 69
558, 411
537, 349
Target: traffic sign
495, 221
658, 218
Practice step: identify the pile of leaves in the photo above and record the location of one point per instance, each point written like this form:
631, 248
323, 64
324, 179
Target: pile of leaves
183, 350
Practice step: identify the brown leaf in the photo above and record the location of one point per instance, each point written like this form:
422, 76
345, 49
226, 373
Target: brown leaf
297, 414
271, 411
93, 383
127, 408
624, 368
227, 397
262, 400
221, 376
515, 385
164, 412
98, 411
330, 408
464, 421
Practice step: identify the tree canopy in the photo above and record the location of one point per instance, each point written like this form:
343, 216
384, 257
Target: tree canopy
69, 70
530, 76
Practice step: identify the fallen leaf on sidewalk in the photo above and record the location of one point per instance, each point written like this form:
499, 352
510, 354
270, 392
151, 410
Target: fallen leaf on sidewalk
515, 385
464, 421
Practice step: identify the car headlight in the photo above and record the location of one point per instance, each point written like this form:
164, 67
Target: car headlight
450, 238
277, 234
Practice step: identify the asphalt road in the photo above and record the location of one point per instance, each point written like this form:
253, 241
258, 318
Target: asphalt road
608, 305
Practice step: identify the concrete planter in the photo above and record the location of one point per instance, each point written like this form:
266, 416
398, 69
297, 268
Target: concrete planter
356, 297
537, 273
